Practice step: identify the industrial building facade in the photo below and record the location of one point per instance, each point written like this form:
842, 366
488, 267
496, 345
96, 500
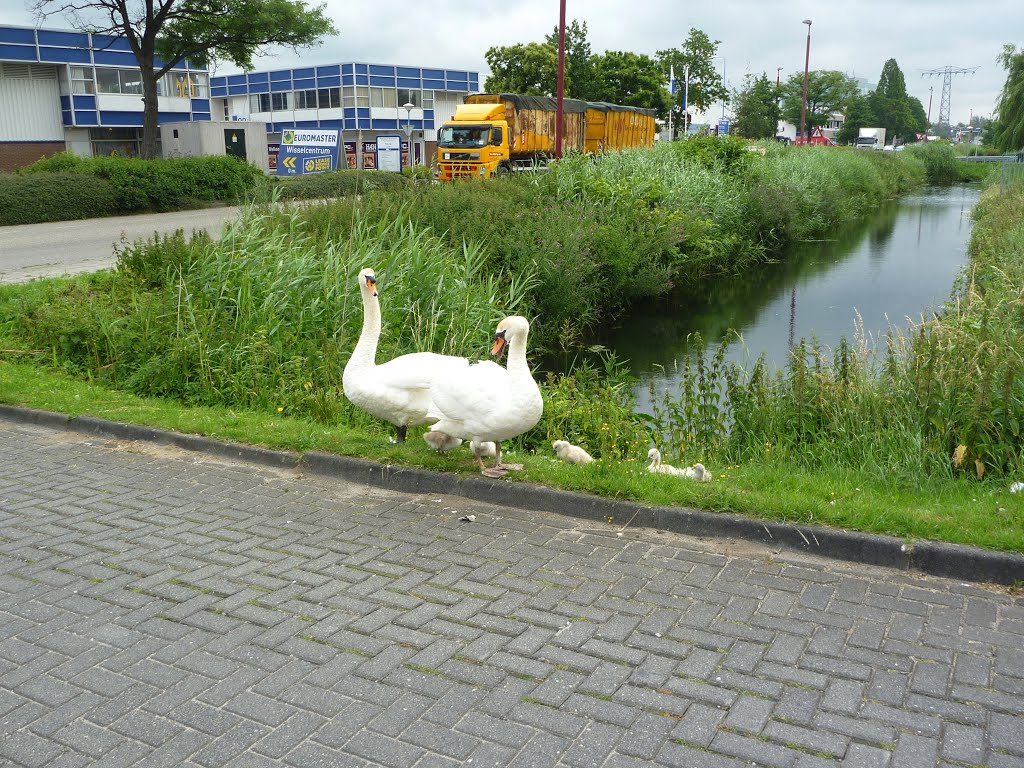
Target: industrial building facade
81, 92
360, 100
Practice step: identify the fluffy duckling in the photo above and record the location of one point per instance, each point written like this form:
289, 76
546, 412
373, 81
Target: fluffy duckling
484, 450
441, 442
571, 454
697, 472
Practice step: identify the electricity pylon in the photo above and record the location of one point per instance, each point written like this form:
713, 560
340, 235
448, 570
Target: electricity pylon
947, 73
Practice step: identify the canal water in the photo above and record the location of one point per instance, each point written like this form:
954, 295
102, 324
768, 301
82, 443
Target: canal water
898, 265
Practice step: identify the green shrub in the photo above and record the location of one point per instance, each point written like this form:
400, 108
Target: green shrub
343, 183
161, 185
54, 196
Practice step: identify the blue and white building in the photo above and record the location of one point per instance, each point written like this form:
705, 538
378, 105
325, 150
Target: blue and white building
361, 100
82, 92
65, 90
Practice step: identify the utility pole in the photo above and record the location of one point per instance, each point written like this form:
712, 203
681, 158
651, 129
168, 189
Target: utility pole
947, 73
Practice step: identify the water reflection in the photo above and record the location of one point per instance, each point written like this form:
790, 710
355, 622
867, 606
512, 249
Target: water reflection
901, 263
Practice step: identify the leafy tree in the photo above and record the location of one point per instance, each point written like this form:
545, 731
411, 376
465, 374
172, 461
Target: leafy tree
859, 114
891, 105
581, 79
756, 108
920, 117
706, 86
531, 68
163, 33
632, 78
1007, 132
828, 91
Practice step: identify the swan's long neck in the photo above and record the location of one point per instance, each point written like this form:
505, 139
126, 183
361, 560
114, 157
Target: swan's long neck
366, 348
516, 362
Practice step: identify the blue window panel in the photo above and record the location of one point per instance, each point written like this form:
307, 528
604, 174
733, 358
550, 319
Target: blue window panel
350, 113
122, 118
236, 79
65, 102
63, 39
385, 82
115, 58
84, 102
164, 117
385, 125
348, 69
70, 55
298, 74
474, 84
259, 88
437, 85
306, 124
218, 90
86, 118
259, 77
200, 105
361, 69
437, 74
66, 118
110, 43
362, 80
334, 69
335, 125
456, 74
241, 90
363, 122
200, 116
363, 112
23, 36
17, 52
285, 85
348, 79
407, 72
328, 81
305, 84
281, 75
218, 81
408, 82
377, 69
428, 118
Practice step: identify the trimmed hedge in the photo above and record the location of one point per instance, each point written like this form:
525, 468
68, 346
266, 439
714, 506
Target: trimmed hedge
341, 183
54, 197
161, 185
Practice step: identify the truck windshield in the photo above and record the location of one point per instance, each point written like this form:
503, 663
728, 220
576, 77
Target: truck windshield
463, 136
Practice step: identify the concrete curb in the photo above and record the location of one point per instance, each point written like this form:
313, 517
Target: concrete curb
953, 561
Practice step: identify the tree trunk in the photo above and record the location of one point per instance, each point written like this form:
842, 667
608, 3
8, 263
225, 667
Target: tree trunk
150, 128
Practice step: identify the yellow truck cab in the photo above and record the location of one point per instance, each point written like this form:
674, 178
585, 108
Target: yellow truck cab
474, 144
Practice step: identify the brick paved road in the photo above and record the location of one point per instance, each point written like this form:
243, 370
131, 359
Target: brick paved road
165, 608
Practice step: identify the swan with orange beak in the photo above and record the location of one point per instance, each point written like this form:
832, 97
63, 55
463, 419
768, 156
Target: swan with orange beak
484, 402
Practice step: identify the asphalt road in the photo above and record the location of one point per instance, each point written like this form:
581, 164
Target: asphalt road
162, 607
59, 248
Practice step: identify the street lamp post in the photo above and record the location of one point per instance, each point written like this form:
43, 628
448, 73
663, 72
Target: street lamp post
803, 106
408, 107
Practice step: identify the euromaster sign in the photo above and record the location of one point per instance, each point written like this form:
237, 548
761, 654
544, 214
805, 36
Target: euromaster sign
305, 152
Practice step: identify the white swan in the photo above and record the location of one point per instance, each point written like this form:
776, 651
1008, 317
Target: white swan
697, 472
398, 390
571, 454
485, 402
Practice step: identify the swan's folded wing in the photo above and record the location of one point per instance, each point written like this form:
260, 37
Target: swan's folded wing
418, 369
469, 392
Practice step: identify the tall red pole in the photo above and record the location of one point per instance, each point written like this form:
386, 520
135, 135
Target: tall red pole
561, 79
803, 107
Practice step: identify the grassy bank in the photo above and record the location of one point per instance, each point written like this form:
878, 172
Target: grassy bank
246, 338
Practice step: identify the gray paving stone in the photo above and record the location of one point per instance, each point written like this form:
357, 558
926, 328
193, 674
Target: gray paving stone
191, 611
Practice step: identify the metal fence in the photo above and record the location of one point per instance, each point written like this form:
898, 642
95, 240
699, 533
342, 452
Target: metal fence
1011, 174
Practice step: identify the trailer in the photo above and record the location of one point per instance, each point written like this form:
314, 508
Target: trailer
493, 134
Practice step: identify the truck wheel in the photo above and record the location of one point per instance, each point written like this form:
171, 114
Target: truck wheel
501, 171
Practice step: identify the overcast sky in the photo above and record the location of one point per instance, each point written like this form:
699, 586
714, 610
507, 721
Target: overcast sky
855, 37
